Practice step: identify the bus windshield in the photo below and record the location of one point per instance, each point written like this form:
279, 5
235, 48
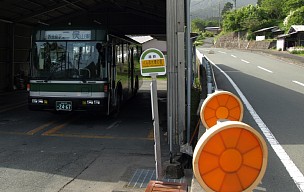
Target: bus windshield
68, 60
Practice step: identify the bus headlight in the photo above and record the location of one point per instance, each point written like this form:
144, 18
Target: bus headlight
96, 102
39, 101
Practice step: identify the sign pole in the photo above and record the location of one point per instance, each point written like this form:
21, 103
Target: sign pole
157, 148
153, 63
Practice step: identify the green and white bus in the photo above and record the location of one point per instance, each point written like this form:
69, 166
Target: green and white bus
81, 70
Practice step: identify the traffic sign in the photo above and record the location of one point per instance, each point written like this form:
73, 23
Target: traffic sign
232, 156
152, 62
221, 105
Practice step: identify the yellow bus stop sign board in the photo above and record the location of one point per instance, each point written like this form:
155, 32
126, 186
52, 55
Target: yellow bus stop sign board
152, 62
232, 156
221, 105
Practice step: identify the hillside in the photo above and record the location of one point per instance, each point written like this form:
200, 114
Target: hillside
210, 8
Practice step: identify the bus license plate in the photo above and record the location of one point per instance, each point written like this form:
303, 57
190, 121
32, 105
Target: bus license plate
63, 105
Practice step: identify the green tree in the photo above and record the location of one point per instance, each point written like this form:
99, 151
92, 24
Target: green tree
231, 21
198, 25
291, 5
212, 23
249, 18
295, 18
227, 7
274, 8
259, 2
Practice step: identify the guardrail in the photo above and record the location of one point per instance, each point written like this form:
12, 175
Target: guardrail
207, 77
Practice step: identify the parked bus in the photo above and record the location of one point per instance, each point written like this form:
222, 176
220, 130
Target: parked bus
81, 70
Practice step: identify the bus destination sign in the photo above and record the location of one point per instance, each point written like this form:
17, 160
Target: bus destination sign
68, 35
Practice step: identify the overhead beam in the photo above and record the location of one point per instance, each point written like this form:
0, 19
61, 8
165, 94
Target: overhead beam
43, 11
153, 10
29, 1
74, 4
6, 21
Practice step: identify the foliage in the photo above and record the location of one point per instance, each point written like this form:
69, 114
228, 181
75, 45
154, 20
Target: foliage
200, 39
266, 13
201, 36
295, 18
297, 52
249, 18
199, 25
291, 5
273, 8
227, 7
208, 34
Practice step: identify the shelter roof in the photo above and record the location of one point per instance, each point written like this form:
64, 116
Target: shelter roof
296, 28
136, 17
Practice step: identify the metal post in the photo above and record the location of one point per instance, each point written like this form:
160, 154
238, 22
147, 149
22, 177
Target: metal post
157, 148
189, 70
171, 69
176, 69
12, 83
181, 89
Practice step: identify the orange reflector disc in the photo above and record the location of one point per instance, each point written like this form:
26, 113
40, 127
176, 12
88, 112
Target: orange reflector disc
221, 105
231, 156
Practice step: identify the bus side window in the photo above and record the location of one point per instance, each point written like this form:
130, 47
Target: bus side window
41, 58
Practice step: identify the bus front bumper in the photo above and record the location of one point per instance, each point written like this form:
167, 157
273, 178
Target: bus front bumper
68, 104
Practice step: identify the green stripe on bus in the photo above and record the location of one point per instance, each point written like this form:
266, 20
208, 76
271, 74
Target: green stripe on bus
57, 87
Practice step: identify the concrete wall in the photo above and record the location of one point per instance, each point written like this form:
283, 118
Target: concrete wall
280, 44
238, 41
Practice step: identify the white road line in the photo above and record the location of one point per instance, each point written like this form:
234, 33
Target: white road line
114, 124
245, 61
299, 83
233, 56
222, 52
292, 169
260, 189
265, 69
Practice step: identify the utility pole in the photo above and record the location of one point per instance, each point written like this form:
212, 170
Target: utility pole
234, 4
219, 14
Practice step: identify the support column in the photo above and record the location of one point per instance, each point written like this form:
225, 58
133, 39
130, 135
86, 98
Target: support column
176, 71
12, 56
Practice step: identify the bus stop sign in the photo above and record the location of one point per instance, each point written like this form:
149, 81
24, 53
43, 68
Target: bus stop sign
152, 62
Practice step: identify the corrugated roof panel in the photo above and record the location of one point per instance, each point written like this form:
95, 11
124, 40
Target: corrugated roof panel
134, 17
298, 27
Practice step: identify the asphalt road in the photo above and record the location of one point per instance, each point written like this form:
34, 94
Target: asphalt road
79, 152
274, 90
